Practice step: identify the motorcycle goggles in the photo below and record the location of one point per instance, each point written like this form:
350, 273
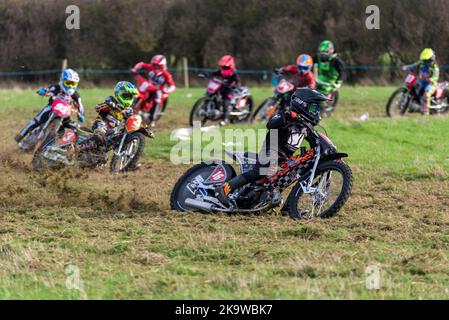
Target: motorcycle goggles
314, 108
127, 96
324, 56
70, 84
303, 69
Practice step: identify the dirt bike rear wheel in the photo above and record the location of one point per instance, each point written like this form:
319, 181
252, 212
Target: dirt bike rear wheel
180, 191
159, 109
298, 202
250, 104
136, 142
446, 97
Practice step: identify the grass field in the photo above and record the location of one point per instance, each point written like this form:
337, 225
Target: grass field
119, 233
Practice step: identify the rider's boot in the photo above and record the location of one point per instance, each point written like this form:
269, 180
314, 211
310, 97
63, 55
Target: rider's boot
225, 117
18, 137
222, 192
299, 215
425, 107
30, 126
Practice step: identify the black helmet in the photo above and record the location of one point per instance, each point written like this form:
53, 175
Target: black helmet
306, 102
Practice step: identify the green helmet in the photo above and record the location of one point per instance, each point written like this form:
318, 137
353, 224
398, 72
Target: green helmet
124, 93
326, 50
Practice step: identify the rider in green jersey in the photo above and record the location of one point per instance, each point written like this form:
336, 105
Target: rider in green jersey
329, 68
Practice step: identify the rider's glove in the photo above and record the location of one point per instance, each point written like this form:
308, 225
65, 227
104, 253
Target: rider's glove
81, 117
41, 91
337, 85
128, 112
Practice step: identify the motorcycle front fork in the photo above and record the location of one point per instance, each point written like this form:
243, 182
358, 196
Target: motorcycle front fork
119, 152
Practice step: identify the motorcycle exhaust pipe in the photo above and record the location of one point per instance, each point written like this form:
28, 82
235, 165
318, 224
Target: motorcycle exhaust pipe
196, 204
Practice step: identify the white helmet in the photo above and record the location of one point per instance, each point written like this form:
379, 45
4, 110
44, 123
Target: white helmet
69, 81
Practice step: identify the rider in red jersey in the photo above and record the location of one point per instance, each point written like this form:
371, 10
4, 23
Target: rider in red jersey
301, 72
154, 82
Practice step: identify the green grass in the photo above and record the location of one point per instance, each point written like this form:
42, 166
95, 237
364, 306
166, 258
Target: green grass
120, 233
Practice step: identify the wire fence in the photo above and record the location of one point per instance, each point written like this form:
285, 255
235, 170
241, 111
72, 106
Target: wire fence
354, 74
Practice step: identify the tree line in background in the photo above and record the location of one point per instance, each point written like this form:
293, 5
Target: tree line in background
261, 34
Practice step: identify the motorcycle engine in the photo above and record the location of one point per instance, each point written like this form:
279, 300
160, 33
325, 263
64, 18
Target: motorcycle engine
251, 197
214, 114
248, 198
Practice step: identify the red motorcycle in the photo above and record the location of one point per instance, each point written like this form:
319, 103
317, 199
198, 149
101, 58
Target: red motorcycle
211, 108
145, 105
279, 101
407, 99
61, 111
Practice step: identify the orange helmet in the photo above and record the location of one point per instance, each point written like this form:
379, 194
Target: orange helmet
159, 62
304, 63
227, 65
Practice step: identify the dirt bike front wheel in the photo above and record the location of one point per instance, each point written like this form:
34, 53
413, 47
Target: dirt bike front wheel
331, 189
330, 106
398, 103
266, 109
198, 112
131, 152
39, 162
158, 111
29, 141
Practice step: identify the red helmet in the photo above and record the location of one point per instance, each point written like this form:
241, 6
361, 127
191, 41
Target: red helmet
227, 65
159, 62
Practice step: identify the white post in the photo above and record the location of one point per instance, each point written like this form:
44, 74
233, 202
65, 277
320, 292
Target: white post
186, 72
64, 64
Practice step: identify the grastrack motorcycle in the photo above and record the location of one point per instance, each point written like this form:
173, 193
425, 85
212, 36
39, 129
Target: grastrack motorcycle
323, 182
329, 106
149, 110
279, 101
57, 149
210, 107
28, 142
406, 99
